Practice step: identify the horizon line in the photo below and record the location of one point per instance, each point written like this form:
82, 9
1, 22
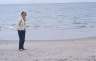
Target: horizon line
44, 3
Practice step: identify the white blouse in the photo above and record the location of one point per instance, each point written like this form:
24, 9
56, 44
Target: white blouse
21, 24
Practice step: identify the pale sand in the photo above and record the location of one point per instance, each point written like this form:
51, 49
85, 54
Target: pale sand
70, 50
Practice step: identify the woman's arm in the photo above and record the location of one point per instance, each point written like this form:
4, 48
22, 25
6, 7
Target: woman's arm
18, 24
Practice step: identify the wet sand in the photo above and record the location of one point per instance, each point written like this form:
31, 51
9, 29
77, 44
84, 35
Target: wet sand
70, 50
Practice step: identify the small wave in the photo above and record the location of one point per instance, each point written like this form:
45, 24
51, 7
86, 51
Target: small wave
82, 26
0, 28
11, 27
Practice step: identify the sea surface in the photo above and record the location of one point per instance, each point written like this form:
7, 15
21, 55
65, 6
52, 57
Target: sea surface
50, 21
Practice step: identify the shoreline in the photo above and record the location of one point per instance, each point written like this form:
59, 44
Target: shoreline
83, 38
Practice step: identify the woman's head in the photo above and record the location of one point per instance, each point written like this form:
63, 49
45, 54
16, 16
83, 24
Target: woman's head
23, 14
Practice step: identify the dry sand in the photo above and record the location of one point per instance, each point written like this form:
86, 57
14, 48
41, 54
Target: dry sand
70, 50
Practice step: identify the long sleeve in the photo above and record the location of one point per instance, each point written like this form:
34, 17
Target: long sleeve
18, 23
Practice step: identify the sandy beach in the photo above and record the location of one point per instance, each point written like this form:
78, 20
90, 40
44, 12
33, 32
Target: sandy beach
69, 50
54, 32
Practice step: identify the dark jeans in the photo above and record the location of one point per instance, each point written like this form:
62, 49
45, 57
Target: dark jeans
21, 34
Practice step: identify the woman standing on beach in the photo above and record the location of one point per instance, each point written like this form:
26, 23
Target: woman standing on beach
21, 28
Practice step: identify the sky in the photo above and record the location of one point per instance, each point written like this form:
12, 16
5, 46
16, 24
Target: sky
41, 1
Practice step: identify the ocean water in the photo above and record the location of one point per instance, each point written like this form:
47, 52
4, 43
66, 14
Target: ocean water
52, 21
